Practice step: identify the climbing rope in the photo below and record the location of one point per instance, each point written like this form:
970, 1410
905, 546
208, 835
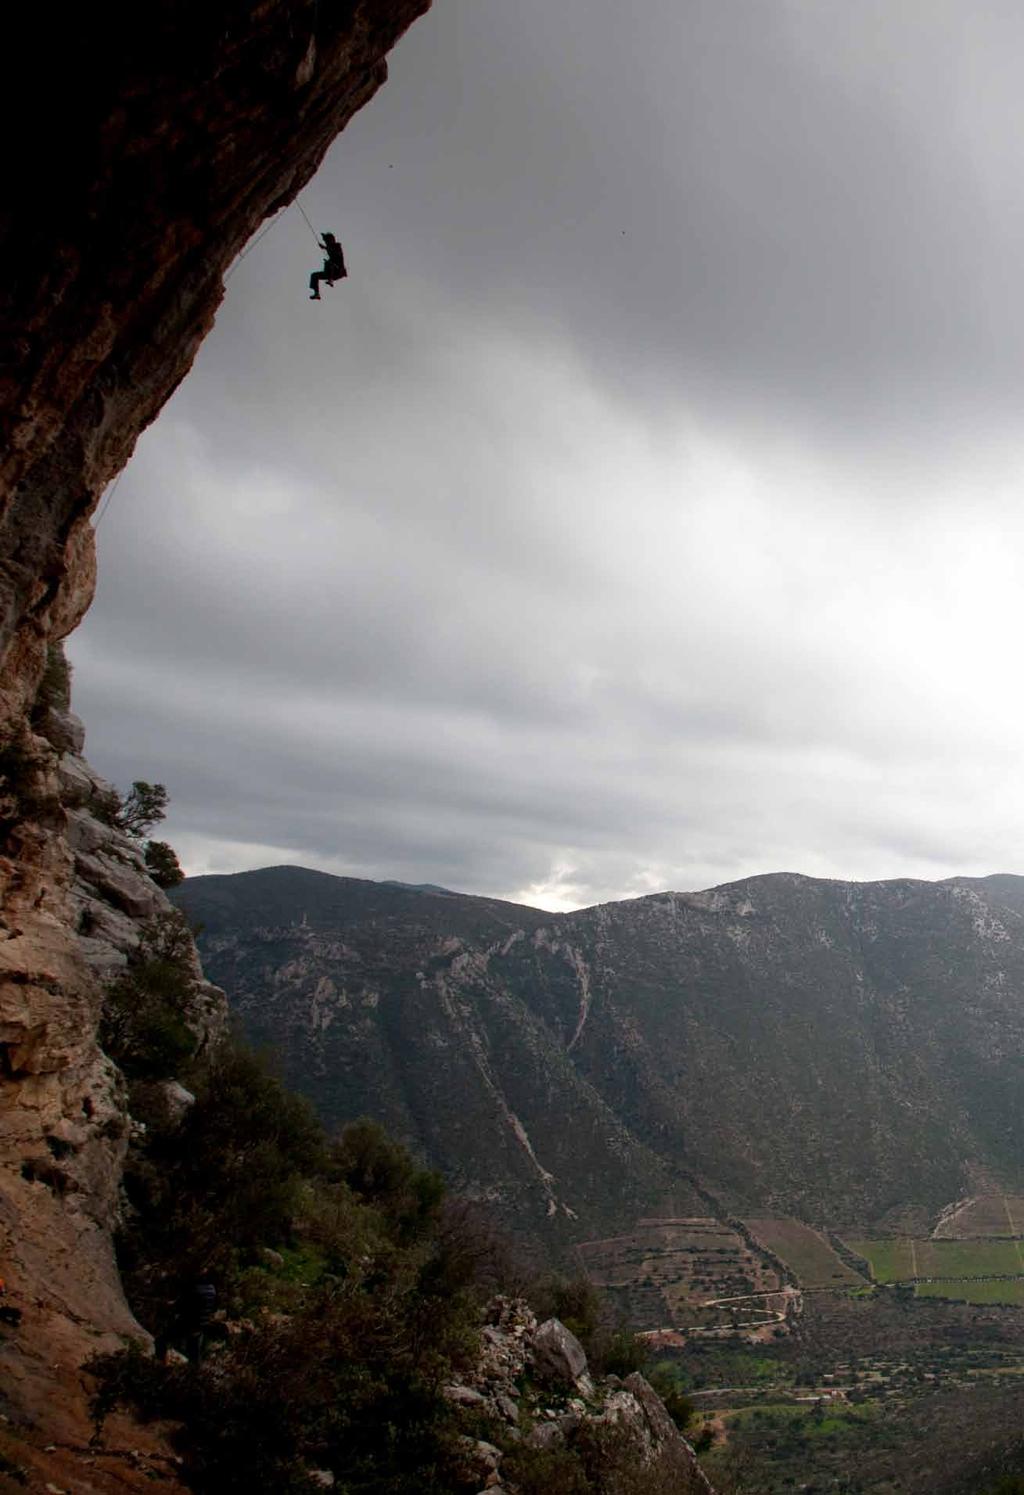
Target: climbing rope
250, 247
106, 502
105, 505
264, 231
305, 215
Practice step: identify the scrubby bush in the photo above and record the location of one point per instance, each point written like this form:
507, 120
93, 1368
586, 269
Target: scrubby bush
206, 1193
349, 1296
334, 1384
162, 864
54, 690
351, 1290
677, 1404
539, 1471
143, 1026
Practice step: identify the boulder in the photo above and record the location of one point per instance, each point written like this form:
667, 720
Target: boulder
176, 1100
487, 1454
84, 832
545, 1435
464, 1396
128, 888
558, 1355
62, 728
506, 1406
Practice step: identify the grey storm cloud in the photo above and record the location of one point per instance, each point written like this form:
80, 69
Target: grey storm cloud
644, 509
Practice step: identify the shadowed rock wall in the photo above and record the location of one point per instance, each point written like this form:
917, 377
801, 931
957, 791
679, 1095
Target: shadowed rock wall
143, 148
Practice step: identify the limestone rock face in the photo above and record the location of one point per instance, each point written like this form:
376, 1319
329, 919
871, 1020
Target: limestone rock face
154, 149
63, 1120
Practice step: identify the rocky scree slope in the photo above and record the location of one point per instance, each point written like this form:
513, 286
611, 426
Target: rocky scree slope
149, 147
837, 1050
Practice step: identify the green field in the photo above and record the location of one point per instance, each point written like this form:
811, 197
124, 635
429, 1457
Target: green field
901, 1260
807, 1254
813, 1422
972, 1291
890, 1260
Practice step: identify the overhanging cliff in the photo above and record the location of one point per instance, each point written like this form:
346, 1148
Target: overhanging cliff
144, 148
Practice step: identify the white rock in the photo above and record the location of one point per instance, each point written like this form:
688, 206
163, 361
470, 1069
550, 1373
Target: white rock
557, 1353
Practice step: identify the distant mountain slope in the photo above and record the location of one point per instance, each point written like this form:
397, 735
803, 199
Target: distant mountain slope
839, 1050
379, 1001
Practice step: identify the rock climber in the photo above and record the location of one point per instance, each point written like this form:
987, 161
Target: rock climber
334, 266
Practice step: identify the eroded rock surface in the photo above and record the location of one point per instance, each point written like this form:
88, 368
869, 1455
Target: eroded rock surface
64, 1124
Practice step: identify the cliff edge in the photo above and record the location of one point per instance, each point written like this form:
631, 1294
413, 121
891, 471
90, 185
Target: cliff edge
147, 149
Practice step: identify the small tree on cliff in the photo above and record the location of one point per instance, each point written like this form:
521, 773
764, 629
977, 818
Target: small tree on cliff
144, 806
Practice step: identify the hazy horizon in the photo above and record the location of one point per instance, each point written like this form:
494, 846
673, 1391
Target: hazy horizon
427, 885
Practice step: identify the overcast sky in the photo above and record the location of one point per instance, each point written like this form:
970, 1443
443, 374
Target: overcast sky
645, 510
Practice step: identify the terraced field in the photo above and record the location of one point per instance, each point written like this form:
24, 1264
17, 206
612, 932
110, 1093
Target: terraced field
986, 1215
674, 1273
805, 1251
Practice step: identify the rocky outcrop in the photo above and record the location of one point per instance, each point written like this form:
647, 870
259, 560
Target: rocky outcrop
149, 149
532, 1390
64, 1123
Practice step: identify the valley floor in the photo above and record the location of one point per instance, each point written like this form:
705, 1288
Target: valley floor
864, 1363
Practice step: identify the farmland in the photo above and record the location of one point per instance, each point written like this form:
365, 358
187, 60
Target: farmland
971, 1290
838, 1381
985, 1215
883, 1392
805, 1252
675, 1273
889, 1260
905, 1260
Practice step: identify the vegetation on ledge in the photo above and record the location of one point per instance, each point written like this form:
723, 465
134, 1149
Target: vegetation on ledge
309, 1298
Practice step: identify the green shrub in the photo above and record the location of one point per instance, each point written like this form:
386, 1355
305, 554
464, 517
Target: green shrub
575, 1301
328, 1387
142, 1026
618, 1353
350, 1336
542, 1471
677, 1404
611, 1348
208, 1192
162, 864
379, 1171
54, 690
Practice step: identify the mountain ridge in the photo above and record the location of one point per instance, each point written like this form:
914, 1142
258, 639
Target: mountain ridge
837, 1050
